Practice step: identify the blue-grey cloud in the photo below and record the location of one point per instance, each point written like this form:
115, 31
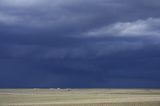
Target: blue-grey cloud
82, 43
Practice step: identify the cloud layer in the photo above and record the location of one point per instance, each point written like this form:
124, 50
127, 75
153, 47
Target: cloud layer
82, 43
138, 28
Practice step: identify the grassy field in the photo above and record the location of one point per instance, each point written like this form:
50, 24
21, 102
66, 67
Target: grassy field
79, 97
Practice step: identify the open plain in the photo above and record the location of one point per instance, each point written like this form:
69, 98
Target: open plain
79, 97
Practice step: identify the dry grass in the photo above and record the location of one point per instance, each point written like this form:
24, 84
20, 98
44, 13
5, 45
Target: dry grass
79, 97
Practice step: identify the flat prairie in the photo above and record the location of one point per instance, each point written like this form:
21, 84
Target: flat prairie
79, 97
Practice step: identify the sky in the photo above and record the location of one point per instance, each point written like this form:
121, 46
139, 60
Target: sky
79, 44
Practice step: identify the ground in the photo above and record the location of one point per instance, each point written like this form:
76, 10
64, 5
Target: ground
80, 97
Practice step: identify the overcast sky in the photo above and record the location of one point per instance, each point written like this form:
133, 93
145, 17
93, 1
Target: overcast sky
80, 43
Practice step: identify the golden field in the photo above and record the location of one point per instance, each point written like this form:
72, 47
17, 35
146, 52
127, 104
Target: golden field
79, 97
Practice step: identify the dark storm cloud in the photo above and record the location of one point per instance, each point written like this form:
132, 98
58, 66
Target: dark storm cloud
82, 43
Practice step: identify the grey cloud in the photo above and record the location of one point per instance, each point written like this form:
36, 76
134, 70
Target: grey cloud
137, 28
79, 43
